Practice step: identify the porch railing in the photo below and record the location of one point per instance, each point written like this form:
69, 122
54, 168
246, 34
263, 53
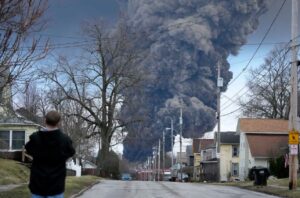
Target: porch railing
25, 155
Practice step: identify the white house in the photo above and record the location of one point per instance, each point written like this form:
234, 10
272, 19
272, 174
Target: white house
260, 140
14, 133
14, 129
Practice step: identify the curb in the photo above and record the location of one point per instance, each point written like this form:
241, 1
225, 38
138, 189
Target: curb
85, 189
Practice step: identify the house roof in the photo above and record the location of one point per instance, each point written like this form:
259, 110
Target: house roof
9, 117
205, 143
262, 125
86, 163
229, 138
267, 145
196, 143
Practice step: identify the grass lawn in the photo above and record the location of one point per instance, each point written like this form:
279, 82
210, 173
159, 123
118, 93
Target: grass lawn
282, 182
73, 186
277, 187
282, 192
76, 184
12, 173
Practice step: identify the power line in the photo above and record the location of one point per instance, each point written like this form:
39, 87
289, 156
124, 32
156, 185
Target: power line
230, 99
261, 91
260, 44
234, 101
255, 78
223, 115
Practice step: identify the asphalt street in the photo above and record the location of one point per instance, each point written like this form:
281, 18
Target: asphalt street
143, 189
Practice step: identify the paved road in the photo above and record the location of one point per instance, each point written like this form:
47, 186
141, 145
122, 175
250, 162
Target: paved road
139, 189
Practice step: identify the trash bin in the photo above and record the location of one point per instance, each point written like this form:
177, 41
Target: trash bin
259, 175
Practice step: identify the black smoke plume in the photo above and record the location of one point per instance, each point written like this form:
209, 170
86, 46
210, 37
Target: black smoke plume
182, 41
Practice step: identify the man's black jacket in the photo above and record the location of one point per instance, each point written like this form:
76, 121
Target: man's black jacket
50, 150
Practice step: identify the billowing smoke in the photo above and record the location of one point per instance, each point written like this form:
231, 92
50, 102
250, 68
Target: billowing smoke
182, 41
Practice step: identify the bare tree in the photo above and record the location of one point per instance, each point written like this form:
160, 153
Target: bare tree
31, 103
20, 20
268, 85
35, 104
97, 82
76, 127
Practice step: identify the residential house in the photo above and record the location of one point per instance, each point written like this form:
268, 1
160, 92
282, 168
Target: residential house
14, 133
260, 140
14, 129
229, 156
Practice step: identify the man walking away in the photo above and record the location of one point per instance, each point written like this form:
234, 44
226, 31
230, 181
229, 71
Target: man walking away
50, 149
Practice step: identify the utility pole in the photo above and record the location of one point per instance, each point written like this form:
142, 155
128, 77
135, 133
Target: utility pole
180, 142
172, 135
293, 128
163, 172
158, 179
148, 168
219, 85
172, 131
154, 164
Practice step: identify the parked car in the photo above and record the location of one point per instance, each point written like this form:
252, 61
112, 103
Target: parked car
126, 177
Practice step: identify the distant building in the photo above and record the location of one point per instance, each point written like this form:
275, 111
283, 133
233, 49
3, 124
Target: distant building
199, 144
197, 158
190, 155
209, 164
260, 140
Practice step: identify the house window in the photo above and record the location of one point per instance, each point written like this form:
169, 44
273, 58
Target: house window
4, 140
235, 151
18, 139
235, 169
12, 140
